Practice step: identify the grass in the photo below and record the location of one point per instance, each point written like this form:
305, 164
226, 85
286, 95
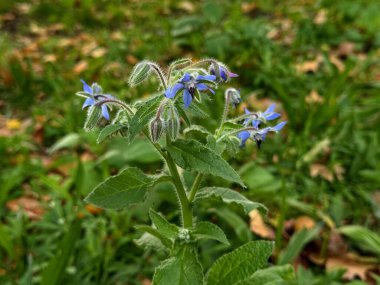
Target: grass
318, 60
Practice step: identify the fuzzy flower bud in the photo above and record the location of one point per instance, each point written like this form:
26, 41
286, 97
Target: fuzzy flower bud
140, 72
157, 127
172, 122
233, 96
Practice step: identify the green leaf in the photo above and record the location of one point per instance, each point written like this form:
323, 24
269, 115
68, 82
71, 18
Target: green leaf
229, 197
53, 273
237, 224
210, 231
197, 132
156, 233
108, 131
68, 141
240, 264
296, 244
182, 269
165, 228
363, 237
119, 191
276, 275
150, 241
145, 112
192, 155
94, 114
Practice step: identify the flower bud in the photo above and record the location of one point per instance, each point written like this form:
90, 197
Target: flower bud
173, 123
157, 127
233, 96
94, 114
140, 72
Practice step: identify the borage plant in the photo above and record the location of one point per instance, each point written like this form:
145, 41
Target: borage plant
164, 120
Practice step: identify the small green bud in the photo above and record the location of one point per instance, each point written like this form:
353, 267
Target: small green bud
172, 122
140, 72
233, 96
157, 127
94, 114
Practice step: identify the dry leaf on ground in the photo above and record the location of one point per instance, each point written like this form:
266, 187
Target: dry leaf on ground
258, 226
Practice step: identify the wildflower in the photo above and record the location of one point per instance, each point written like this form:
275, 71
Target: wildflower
268, 115
189, 85
94, 96
223, 72
259, 135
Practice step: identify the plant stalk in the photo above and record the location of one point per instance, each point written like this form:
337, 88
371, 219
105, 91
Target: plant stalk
195, 187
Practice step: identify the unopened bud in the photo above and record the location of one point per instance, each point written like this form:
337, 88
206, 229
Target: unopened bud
173, 123
94, 114
140, 72
233, 96
157, 127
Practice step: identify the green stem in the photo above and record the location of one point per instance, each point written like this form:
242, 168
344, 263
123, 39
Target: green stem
159, 74
187, 216
195, 187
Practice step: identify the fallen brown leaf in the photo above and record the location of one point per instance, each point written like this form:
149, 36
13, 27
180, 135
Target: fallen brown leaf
321, 170
303, 222
31, 206
353, 268
258, 226
80, 67
313, 97
321, 17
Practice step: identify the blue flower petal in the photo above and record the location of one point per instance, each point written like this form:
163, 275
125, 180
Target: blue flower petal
105, 113
244, 135
256, 123
233, 74
223, 73
206, 77
88, 102
187, 98
279, 126
186, 77
270, 109
172, 91
86, 87
272, 116
202, 87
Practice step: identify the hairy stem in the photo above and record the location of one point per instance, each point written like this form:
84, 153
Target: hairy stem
187, 216
195, 187
160, 74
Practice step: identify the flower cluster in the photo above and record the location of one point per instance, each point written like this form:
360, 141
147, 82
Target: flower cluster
256, 119
190, 82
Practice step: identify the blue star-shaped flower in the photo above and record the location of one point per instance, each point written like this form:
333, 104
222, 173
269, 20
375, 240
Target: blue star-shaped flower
268, 115
94, 96
189, 85
259, 135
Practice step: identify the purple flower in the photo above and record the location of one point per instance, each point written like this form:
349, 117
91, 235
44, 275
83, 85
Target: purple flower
94, 96
189, 85
224, 73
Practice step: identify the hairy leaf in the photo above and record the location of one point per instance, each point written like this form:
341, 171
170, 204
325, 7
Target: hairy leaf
119, 191
182, 269
192, 155
228, 196
240, 264
145, 112
108, 131
276, 275
210, 231
165, 228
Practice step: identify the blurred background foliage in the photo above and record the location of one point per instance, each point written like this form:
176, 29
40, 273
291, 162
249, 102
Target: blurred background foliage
320, 179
